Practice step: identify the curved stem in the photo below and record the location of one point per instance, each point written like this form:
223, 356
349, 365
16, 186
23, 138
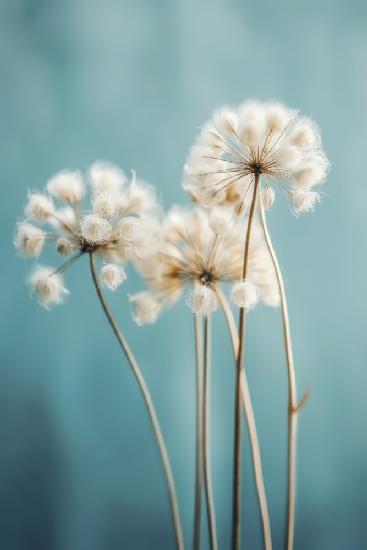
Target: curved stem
250, 418
236, 498
149, 405
199, 431
292, 391
206, 436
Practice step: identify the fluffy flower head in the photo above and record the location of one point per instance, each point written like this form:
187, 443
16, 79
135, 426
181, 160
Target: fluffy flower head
199, 254
256, 139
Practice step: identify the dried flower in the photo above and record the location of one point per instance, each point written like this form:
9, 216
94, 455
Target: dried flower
112, 228
39, 207
29, 239
146, 308
48, 284
193, 255
265, 139
67, 186
244, 294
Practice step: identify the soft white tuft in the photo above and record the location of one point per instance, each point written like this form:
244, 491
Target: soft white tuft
29, 239
64, 246
112, 276
288, 156
244, 294
106, 177
39, 207
48, 285
221, 219
201, 299
305, 201
67, 186
105, 204
95, 230
146, 308
305, 133
267, 197
278, 116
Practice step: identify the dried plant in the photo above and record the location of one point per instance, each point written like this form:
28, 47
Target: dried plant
220, 248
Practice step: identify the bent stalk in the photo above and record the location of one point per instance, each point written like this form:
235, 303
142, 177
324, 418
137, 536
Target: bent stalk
293, 405
250, 418
149, 405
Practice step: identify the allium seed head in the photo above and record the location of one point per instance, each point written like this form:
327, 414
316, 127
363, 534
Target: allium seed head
256, 140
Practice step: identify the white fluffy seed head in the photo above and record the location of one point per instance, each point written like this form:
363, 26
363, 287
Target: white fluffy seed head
29, 239
67, 186
48, 285
244, 294
202, 300
305, 201
221, 220
146, 308
105, 204
267, 197
106, 177
95, 230
39, 207
64, 246
112, 276
288, 156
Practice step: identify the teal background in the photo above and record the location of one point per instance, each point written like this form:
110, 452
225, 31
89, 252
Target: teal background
131, 82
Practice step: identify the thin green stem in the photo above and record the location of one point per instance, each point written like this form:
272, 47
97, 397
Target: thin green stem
199, 431
206, 436
237, 466
293, 405
149, 405
250, 418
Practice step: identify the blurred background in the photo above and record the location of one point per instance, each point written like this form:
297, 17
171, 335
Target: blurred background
131, 82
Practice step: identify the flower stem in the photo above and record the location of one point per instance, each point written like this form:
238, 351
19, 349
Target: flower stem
293, 405
206, 436
236, 496
199, 431
250, 418
149, 405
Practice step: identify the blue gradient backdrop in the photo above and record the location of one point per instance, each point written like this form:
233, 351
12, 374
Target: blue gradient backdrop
131, 82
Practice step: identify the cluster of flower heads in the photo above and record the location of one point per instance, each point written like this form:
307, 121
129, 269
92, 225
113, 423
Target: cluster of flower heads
197, 249
200, 250
111, 227
256, 139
